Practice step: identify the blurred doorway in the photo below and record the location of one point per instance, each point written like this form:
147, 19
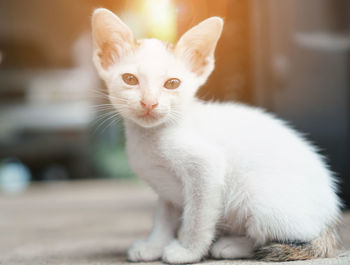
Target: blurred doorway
301, 72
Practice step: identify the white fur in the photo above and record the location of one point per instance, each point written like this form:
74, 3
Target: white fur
219, 169
232, 247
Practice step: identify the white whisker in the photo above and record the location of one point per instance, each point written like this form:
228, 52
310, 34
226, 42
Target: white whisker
112, 116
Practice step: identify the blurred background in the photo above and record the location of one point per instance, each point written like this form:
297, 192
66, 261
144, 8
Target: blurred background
291, 57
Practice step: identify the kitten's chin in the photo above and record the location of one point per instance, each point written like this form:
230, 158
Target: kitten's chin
149, 121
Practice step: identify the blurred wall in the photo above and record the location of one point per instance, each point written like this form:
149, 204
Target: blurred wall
301, 72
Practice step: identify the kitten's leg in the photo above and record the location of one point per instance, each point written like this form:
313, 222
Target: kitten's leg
232, 247
165, 223
203, 197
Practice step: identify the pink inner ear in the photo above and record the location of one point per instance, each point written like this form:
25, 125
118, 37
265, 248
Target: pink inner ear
111, 37
198, 62
195, 55
198, 44
108, 54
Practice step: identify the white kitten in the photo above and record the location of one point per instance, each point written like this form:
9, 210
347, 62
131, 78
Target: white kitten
231, 179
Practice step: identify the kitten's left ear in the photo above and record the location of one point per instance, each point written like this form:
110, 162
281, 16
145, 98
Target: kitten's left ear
111, 37
197, 45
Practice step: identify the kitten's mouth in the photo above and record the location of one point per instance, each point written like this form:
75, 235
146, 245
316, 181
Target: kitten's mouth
149, 119
148, 116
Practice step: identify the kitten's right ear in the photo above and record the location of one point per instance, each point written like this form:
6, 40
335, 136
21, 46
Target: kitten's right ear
111, 38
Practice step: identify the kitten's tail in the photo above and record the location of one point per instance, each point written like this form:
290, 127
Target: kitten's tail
323, 246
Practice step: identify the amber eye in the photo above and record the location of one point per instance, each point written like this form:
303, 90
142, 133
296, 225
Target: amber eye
172, 83
130, 79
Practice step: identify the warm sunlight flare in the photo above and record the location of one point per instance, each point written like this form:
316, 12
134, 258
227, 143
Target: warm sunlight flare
158, 19
161, 19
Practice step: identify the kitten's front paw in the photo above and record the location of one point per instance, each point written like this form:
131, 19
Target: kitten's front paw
175, 253
143, 250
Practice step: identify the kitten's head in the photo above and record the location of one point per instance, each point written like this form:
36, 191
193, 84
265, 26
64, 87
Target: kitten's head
149, 81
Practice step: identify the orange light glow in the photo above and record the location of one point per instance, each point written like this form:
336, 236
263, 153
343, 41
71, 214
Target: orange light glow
159, 19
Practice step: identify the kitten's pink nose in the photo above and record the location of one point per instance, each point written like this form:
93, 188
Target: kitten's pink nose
148, 105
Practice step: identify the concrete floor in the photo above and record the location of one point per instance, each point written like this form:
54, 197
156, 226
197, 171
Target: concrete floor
90, 222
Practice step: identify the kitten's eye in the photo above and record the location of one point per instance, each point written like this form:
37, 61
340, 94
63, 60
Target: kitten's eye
172, 83
130, 79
